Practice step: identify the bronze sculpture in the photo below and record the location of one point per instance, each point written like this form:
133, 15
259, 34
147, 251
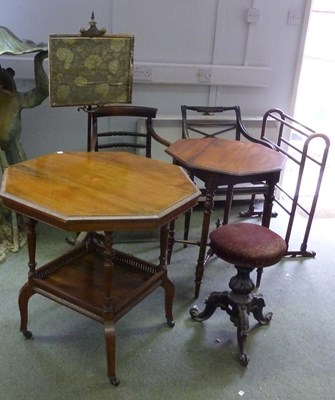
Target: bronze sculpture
12, 102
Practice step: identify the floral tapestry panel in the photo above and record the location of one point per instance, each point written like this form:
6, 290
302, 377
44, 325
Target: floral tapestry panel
90, 71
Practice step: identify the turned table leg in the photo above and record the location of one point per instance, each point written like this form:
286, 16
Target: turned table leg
166, 283
110, 349
108, 315
27, 290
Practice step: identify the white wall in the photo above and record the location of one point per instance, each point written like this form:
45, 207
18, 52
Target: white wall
172, 33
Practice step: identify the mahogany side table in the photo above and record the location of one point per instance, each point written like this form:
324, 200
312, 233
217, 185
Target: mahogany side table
220, 162
91, 192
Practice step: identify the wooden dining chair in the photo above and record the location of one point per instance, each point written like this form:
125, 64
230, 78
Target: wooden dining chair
224, 122
114, 127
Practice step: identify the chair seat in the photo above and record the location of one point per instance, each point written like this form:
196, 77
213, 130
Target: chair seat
247, 245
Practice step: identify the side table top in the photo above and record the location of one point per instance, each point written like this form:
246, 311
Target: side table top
228, 157
81, 191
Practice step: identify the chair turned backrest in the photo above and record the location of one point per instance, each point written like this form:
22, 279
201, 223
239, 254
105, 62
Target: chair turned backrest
224, 122
115, 127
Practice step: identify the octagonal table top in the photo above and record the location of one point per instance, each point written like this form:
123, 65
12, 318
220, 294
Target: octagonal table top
230, 157
82, 191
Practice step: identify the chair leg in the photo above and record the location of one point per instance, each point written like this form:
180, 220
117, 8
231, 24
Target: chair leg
251, 209
228, 203
252, 212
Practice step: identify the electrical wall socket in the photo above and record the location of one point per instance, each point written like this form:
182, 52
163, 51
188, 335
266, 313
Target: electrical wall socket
253, 15
142, 73
205, 75
293, 17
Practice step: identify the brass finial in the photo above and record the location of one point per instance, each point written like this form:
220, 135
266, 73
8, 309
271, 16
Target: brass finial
92, 30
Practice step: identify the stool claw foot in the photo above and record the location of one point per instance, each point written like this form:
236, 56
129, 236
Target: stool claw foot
256, 308
114, 381
27, 334
194, 312
244, 359
242, 332
215, 299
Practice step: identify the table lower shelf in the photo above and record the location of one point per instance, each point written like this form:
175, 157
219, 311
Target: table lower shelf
77, 280
100, 283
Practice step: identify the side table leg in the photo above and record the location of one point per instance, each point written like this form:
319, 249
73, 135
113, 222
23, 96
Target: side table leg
266, 219
187, 223
199, 270
268, 203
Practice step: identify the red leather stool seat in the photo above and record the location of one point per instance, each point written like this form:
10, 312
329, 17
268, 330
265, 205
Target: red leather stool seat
247, 245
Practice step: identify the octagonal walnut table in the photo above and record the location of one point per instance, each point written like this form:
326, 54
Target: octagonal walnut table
93, 192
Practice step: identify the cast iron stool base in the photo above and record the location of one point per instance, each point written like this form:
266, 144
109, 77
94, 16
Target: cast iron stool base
239, 302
